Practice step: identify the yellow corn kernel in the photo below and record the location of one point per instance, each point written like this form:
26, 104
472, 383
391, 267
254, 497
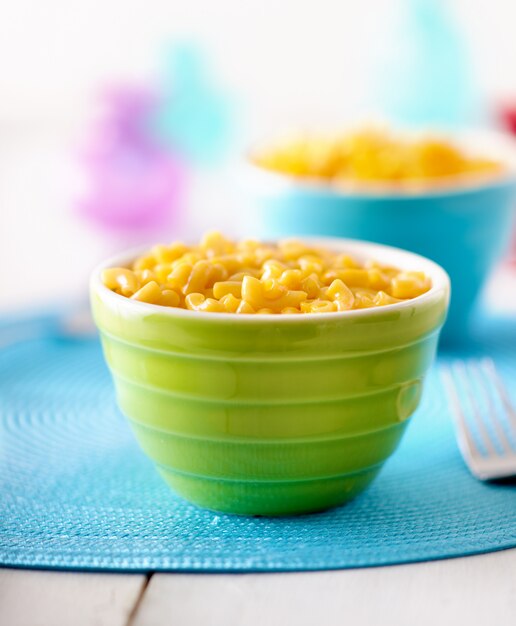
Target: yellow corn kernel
150, 293
265, 311
233, 287
122, 279
169, 298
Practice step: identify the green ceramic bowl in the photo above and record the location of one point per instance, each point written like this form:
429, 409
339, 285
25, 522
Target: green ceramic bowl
271, 415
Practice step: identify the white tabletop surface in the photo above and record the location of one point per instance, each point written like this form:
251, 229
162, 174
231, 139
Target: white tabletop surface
473, 591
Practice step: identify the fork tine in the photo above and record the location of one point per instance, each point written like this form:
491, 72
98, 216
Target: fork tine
465, 440
492, 416
490, 370
483, 433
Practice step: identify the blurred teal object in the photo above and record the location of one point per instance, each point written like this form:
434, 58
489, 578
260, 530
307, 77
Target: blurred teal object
424, 75
193, 113
463, 227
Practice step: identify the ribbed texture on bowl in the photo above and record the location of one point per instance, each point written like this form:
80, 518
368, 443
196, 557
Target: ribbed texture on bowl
271, 416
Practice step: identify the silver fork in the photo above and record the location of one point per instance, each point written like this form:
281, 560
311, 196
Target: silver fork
484, 437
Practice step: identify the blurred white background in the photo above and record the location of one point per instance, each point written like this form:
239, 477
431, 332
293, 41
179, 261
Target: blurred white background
293, 55
288, 62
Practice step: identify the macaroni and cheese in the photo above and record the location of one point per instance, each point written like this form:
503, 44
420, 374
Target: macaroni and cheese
373, 156
222, 276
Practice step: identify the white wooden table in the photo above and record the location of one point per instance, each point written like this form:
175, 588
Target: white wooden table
473, 591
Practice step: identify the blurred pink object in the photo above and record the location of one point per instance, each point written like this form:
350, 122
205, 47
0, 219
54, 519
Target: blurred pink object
507, 116
135, 186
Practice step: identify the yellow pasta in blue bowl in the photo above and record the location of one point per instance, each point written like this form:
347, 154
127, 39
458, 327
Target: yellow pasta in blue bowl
447, 196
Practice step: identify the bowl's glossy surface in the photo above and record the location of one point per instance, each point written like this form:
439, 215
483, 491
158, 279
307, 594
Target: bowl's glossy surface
271, 415
463, 226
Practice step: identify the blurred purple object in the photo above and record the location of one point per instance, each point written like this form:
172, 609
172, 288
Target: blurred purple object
135, 186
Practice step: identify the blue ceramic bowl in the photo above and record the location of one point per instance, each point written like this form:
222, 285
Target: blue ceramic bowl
463, 223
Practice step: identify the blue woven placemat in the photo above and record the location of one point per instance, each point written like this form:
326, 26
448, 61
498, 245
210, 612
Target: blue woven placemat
76, 492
